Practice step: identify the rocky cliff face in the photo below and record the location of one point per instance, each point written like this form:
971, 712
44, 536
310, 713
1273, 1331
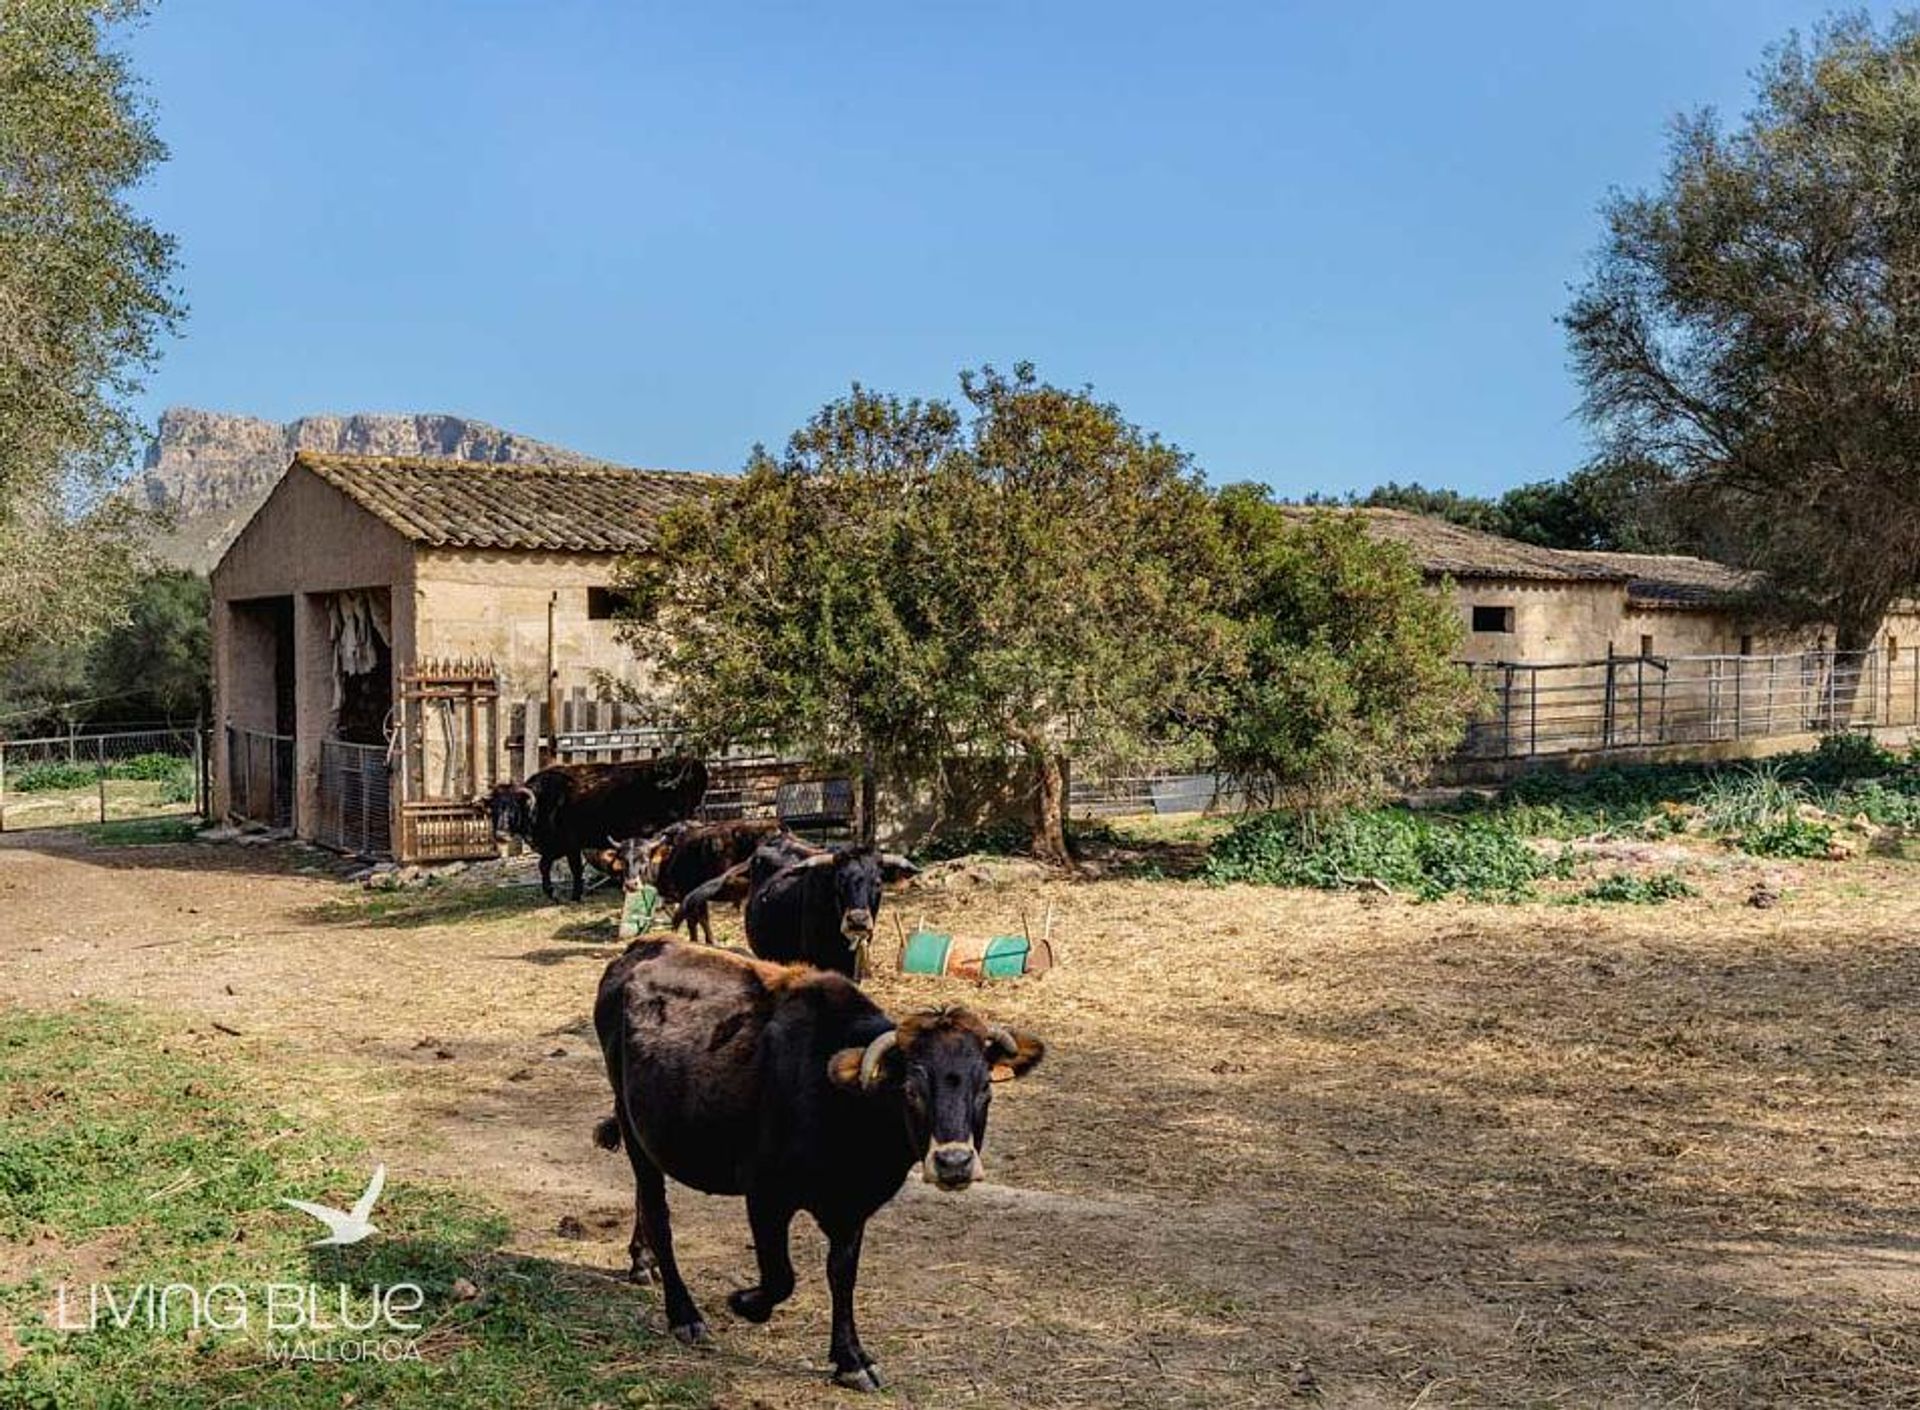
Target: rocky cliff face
211, 470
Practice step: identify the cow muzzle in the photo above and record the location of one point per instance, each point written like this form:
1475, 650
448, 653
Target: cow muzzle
857, 926
953, 1165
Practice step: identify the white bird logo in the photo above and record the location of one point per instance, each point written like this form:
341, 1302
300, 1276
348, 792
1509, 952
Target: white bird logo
346, 1226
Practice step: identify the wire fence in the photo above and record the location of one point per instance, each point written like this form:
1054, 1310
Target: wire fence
259, 779
103, 776
1633, 702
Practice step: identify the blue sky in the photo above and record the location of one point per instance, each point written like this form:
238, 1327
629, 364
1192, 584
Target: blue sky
1320, 245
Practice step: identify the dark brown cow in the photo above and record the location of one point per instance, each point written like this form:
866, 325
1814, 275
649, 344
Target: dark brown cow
571, 808
687, 855
790, 1087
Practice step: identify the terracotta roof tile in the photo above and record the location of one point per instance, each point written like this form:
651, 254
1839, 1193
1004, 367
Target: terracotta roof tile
1440, 546
475, 504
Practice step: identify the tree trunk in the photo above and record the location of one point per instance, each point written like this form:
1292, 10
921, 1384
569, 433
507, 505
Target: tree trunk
1049, 808
869, 802
1844, 672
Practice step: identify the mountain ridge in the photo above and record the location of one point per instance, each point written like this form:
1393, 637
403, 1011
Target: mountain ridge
207, 471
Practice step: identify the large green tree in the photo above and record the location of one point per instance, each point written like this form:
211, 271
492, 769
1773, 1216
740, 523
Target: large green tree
85, 297
804, 604
1752, 328
1030, 582
1348, 681
1088, 585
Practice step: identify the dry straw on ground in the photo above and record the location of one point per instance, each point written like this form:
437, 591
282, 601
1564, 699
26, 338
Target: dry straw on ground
1287, 1147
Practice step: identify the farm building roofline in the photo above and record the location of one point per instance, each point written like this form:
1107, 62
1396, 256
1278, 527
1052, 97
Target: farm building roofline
479, 504
1653, 580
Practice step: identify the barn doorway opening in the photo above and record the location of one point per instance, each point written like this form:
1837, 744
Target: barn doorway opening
260, 707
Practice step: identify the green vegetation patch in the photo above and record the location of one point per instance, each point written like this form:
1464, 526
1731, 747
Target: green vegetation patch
125, 1162
1429, 856
1624, 888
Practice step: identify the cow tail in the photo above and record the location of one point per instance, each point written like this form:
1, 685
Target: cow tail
606, 1134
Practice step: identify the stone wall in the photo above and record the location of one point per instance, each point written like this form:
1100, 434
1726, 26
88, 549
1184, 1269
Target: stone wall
494, 605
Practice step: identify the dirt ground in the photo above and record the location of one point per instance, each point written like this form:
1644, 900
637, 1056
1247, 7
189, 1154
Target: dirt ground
1286, 1147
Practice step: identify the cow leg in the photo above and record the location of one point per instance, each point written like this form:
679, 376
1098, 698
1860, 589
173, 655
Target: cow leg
653, 1227
546, 875
700, 923
852, 1367
770, 1220
573, 865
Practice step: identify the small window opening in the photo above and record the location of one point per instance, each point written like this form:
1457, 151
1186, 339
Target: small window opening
1646, 645
605, 603
1492, 619
1746, 645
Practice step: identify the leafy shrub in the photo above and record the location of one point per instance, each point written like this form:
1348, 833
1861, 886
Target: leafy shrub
148, 768
1624, 888
50, 777
1405, 851
53, 775
1790, 836
1344, 676
1881, 803
1841, 758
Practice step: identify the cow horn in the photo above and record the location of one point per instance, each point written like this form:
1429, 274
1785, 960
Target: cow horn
1003, 1040
898, 862
818, 859
876, 1050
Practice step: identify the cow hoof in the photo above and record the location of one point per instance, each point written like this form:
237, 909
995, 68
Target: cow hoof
692, 1333
641, 1274
747, 1303
860, 1378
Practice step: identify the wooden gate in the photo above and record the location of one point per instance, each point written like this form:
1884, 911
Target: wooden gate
448, 735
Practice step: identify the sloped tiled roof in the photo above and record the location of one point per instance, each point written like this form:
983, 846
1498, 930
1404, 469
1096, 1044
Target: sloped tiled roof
1676, 580
477, 504
1653, 580
1440, 546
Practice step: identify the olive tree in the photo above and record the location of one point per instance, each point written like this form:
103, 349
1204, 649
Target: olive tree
85, 296
1751, 328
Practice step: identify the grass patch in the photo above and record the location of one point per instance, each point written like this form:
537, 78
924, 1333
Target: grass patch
124, 1161
436, 903
144, 832
1626, 889
1427, 856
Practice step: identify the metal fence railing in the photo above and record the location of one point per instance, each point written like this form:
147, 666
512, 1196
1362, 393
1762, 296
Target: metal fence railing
353, 800
1629, 702
260, 776
102, 776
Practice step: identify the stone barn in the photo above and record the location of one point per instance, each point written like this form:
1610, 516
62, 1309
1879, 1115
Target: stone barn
1585, 651
359, 601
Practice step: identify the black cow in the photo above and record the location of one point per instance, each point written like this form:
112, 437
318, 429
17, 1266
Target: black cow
790, 1087
685, 857
819, 909
573, 807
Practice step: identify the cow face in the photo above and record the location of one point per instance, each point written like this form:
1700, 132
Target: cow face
637, 860
941, 1068
860, 875
510, 807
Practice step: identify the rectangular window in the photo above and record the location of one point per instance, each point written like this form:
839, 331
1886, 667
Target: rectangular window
1746, 646
1492, 619
605, 603
1646, 645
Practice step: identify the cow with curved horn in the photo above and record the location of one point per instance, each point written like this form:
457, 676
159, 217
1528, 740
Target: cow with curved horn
790, 1087
569, 809
819, 909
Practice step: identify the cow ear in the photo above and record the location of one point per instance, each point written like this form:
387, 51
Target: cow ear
843, 1069
1012, 1054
